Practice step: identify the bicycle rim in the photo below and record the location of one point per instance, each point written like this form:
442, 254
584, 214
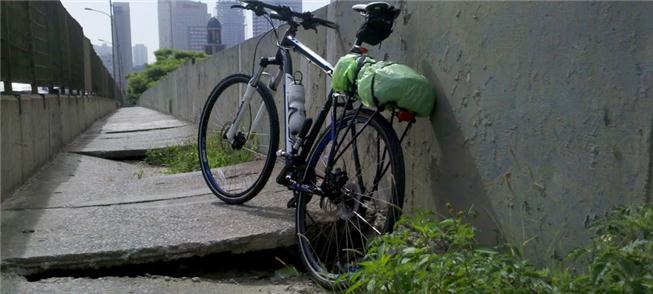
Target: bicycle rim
236, 173
334, 231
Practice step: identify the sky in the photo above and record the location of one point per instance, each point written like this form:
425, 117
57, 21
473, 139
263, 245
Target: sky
143, 17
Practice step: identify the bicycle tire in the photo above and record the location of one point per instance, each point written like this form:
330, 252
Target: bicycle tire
249, 192
318, 269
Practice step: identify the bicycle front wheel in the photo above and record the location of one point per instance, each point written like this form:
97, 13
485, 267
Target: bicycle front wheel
360, 170
237, 170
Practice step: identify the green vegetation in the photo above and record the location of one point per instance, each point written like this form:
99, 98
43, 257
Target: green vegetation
167, 60
428, 256
184, 158
620, 256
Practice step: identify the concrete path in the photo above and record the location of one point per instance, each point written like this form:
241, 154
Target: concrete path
130, 132
155, 284
85, 212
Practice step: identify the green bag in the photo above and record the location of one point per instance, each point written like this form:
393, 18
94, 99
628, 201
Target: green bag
379, 82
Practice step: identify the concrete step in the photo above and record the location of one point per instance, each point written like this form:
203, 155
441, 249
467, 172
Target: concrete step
130, 132
71, 215
81, 212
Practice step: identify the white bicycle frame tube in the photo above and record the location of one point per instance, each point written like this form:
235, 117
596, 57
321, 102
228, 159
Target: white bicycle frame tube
257, 118
286, 112
303, 50
239, 116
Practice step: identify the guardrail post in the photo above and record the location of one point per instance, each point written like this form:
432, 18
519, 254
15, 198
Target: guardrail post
8, 89
43, 97
20, 106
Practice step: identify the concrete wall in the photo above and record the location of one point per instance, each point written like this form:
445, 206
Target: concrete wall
544, 113
36, 127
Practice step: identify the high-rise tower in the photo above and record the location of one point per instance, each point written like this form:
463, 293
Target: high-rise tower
232, 21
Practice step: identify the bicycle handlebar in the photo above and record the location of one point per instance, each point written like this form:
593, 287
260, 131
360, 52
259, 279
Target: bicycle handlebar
284, 13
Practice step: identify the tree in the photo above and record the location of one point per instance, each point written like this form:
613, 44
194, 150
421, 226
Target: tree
167, 60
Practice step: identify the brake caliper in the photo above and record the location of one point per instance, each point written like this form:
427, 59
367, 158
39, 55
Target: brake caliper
333, 183
239, 141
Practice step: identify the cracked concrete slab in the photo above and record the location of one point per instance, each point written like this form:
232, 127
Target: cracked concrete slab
129, 233
73, 180
130, 132
153, 284
85, 212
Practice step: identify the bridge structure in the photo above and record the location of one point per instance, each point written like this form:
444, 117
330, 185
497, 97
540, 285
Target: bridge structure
76, 196
543, 122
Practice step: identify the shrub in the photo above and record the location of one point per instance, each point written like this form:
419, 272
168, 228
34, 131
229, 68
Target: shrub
428, 256
167, 60
424, 255
620, 255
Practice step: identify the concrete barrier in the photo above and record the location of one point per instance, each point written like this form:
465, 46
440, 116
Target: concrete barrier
35, 127
544, 113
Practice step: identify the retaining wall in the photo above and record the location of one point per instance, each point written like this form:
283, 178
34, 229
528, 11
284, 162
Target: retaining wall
544, 113
35, 127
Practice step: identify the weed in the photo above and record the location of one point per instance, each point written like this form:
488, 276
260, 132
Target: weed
619, 258
184, 158
425, 255
139, 174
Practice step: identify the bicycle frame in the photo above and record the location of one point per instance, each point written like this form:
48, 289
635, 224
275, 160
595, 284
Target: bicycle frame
284, 61
296, 150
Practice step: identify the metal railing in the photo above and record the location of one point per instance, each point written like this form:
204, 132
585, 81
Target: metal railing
44, 46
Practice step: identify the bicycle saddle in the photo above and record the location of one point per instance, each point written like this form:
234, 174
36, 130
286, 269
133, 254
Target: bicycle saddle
372, 7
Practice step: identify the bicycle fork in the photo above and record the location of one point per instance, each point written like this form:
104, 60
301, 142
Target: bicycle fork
232, 135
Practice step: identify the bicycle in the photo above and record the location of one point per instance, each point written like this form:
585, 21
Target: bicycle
347, 182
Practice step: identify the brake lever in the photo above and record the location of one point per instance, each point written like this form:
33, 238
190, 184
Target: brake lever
238, 6
308, 26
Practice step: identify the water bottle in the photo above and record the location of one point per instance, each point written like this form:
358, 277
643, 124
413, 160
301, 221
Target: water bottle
296, 101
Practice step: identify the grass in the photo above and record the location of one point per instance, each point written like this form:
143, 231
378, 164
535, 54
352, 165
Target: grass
425, 255
184, 158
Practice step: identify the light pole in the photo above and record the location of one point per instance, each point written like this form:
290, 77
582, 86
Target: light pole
115, 49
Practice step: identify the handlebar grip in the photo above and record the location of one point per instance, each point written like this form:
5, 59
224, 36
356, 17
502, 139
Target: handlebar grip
261, 3
329, 24
326, 23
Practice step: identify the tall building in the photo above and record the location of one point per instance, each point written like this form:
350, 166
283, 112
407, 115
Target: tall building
140, 54
105, 52
214, 36
232, 21
123, 39
182, 24
260, 25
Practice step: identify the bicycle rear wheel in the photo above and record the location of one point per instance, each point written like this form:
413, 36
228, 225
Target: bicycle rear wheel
252, 156
362, 175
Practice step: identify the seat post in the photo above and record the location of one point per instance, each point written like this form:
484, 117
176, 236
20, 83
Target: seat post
357, 46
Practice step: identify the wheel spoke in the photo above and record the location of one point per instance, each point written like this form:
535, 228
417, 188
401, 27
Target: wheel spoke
367, 223
360, 192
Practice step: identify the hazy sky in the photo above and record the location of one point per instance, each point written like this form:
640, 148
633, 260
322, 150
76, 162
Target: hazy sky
144, 26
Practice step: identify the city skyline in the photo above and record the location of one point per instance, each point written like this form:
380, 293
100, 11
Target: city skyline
182, 24
144, 28
123, 40
261, 25
140, 54
105, 52
233, 22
